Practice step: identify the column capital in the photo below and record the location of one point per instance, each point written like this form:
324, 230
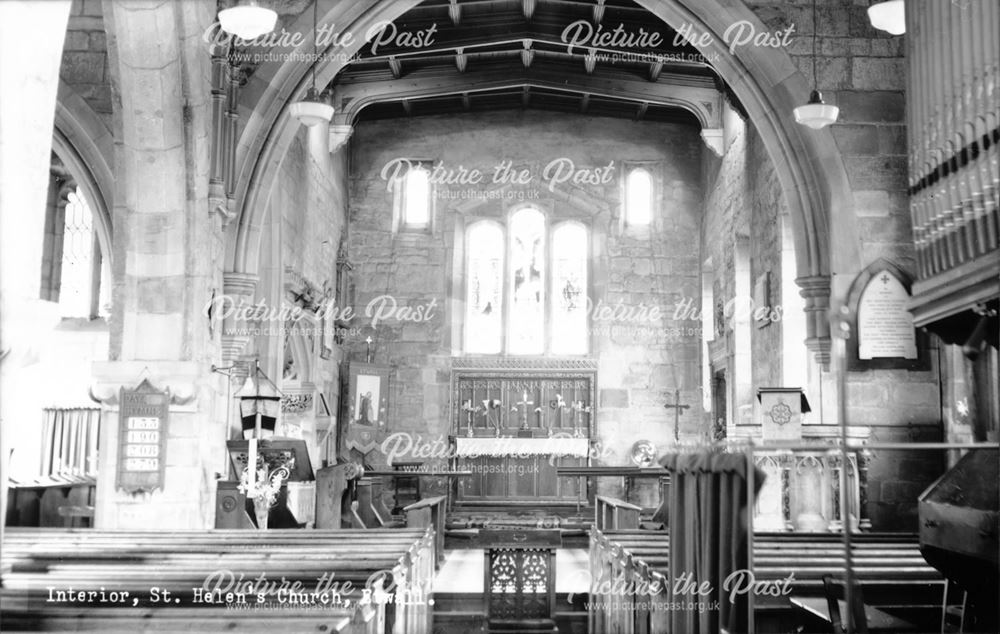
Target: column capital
815, 289
239, 288
715, 139
339, 135
181, 378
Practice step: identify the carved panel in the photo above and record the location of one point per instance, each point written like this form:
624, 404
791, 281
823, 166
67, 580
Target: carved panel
519, 583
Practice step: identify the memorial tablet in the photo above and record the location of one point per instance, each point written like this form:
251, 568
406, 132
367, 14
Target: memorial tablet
885, 326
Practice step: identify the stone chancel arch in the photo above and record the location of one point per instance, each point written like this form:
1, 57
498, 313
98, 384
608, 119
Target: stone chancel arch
766, 80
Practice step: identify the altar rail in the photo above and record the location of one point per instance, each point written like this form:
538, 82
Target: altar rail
180, 563
614, 514
890, 566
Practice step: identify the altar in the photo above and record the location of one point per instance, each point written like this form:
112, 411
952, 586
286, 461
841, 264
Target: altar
521, 447
514, 422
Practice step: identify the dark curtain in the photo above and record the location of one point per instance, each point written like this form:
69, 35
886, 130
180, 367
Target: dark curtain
708, 538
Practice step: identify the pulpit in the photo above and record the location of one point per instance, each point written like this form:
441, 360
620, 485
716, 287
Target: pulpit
801, 490
520, 571
296, 503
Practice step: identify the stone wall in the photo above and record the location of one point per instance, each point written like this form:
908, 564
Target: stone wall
862, 71
85, 57
742, 212
299, 251
640, 363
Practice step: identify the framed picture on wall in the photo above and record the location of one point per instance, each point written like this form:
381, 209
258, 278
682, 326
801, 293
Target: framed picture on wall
367, 401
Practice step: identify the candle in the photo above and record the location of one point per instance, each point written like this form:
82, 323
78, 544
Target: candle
251, 466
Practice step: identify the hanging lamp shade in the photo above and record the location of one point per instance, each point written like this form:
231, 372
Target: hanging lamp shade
312, 110
888, 16
247, 19
817, 113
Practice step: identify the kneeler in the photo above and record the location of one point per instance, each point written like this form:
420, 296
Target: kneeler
708, 539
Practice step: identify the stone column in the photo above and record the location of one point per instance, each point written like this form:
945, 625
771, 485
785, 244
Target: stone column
169, 247
31, 44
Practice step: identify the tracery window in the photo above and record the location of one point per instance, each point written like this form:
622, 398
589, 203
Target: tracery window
526, 286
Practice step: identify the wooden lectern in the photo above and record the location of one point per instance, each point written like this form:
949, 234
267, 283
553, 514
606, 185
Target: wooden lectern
296, 504
520, 571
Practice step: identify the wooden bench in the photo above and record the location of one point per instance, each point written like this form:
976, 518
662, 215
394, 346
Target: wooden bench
611, 514
891, 568
429, 513
389, 572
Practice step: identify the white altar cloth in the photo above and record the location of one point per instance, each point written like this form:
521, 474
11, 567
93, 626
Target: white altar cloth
470, 447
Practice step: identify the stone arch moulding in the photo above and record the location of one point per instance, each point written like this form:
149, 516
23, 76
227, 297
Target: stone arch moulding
858, 286
808, 164
83, 142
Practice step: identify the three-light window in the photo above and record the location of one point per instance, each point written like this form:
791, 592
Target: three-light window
526, 286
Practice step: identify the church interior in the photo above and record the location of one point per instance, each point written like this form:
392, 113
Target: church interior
420, 316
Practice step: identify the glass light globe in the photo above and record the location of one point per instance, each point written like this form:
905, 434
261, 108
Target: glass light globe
889, 16
816, 114
248, 20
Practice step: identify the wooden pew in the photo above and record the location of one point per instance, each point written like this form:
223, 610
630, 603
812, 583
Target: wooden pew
890, 566
371, 509
390, 572
429, 512
614, 514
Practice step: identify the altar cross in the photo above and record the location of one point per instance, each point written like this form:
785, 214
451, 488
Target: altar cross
677, 407
524, 412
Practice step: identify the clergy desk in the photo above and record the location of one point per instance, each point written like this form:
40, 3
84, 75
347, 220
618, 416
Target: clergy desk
520, 579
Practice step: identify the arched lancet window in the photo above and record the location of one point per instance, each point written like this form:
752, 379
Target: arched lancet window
73, 274
639, 197
484, 289
527, 282
416, 197
569, 289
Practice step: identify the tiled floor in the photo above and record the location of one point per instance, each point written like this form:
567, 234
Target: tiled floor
462, 571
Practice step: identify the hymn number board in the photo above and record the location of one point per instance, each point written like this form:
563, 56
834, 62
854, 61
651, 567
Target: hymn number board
142, 438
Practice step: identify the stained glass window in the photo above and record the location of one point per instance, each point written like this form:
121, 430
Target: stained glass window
484, 292
527, 287
569, 289
523, 296
639, 197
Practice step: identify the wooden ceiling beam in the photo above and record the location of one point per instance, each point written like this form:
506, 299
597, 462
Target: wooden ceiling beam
700, 98
528, 9
396, 67
654, 70
598, 12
